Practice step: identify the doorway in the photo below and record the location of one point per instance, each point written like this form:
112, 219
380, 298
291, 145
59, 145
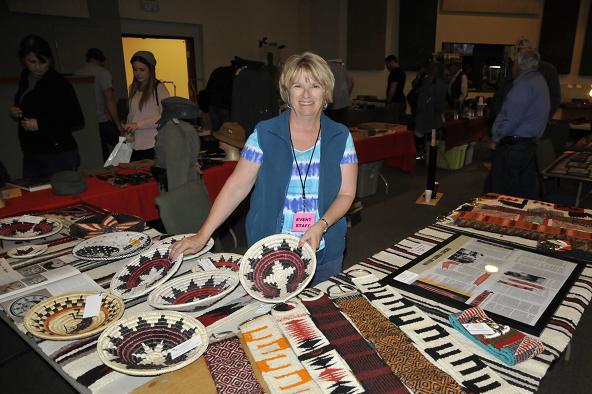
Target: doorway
175, 61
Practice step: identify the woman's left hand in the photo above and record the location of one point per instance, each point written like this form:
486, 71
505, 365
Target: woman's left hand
313, 235
29, 124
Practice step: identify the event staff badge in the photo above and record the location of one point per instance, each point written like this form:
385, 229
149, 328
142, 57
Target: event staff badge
302, 221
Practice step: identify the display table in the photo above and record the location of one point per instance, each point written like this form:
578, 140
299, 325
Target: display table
79, 363
135, 200
462, 131
580, 172
396, 148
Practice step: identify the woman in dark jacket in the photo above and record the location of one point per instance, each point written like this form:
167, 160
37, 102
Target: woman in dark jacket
47, 112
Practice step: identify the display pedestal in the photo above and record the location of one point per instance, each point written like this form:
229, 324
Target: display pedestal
433, 201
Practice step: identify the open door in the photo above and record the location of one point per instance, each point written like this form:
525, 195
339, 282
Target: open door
175, 61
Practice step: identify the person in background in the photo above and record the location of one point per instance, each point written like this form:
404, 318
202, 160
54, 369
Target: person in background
47, 111
458, 86
395, 86
518, 126
413, 94
344, 84
549, 72
177, 144
431, 104
298, 163
109, 125
145, 96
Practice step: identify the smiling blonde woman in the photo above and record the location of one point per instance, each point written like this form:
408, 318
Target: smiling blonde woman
302, 168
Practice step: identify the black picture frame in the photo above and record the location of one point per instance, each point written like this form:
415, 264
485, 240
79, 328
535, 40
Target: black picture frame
534, 329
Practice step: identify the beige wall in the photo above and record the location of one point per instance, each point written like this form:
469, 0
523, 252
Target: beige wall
232, 28
486, 29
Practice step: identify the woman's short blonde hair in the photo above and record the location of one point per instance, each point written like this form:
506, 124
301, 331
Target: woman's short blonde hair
314, 67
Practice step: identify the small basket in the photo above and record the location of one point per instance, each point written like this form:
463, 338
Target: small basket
144, 273
60, 318
193, 291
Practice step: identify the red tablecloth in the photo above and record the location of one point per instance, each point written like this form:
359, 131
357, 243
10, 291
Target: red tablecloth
463, 131
132, 200
397, 149
215, 177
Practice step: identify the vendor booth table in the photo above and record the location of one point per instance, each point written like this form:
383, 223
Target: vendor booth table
79, 363
135, 200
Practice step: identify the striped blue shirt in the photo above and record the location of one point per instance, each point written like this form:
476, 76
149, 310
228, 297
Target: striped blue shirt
294, 202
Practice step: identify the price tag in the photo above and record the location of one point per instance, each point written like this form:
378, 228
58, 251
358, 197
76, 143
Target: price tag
206, 265
7, 273
406, 277
92, 306
263, 309
478, 329
31, 219
420, 249
184, 347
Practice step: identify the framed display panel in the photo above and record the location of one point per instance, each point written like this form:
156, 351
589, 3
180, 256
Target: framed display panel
515, 285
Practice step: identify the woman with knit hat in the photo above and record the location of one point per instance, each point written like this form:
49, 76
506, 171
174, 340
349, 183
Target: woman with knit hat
145, 96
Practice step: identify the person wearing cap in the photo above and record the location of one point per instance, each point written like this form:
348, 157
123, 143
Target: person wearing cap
47, 111
177, 144
109, 125
145, 108
301, 167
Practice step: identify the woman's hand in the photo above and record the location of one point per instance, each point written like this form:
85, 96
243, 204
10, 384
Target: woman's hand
29, 124
313, 235
188, 246
15, 112
130, 127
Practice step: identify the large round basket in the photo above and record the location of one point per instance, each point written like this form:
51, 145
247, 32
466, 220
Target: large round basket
60, 318
193, 291
112, 246
276, 269
144, 273
141, 344
26, 228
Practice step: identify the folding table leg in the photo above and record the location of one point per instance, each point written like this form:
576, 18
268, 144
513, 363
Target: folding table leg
386, 185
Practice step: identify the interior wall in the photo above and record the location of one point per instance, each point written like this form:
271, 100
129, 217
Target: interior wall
233, 28
486, 28
69, 38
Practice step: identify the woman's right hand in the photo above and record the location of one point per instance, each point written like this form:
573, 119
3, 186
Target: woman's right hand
15, 112
131, 127
188, 246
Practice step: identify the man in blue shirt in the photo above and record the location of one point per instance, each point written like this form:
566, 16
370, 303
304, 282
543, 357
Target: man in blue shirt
518, 126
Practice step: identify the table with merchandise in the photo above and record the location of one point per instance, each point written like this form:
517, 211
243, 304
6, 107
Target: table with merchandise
98, 296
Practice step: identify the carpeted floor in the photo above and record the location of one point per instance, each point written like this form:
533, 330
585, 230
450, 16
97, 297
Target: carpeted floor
385, 219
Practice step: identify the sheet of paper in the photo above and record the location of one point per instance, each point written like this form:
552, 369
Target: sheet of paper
31, 219
478, 329
92, 306
7, 274
206, 265
406, 277
420, 249
184, 347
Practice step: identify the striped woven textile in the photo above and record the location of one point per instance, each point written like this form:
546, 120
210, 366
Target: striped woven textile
79, 361
525, 376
